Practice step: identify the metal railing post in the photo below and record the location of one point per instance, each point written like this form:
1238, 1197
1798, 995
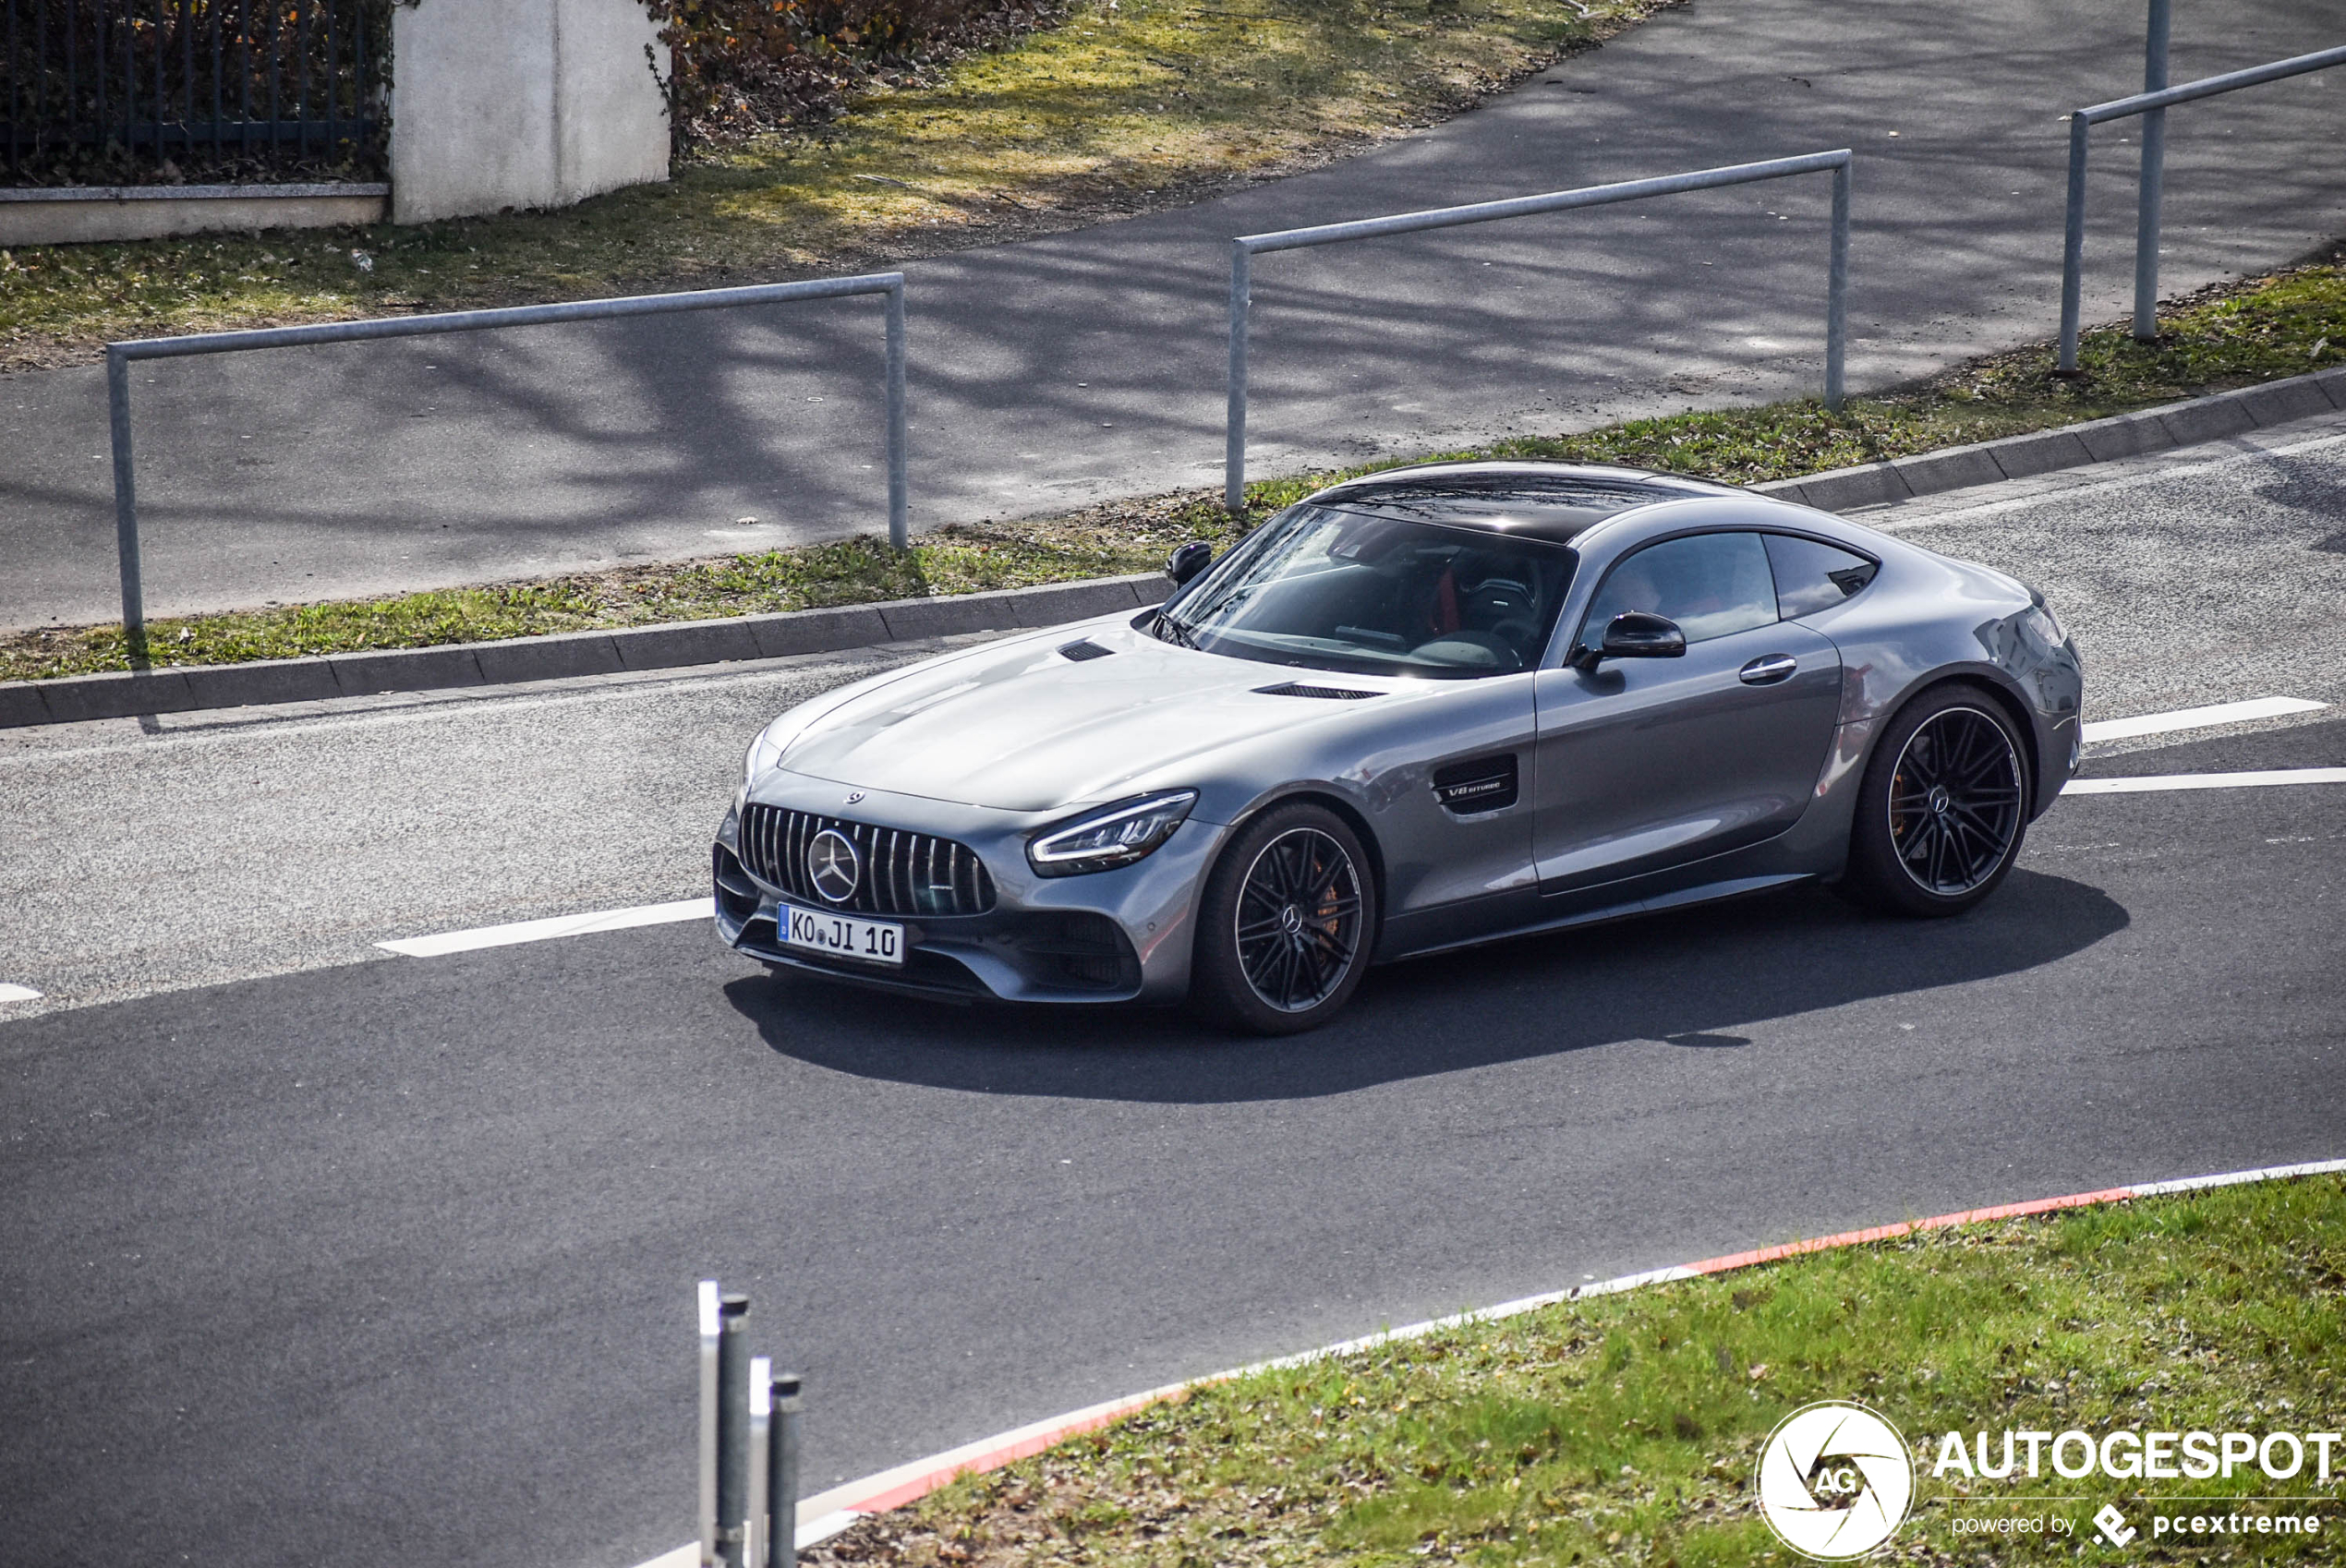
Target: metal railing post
125, 507
1234, 429
781, 1475
2154, 175
757, 1526
2073, 244
711, 1333
1837, 293
2081, 124
1244, 247
898, 529
120, 355
733, 1432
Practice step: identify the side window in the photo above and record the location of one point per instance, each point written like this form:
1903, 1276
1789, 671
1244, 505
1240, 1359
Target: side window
1712, 585
1811, 576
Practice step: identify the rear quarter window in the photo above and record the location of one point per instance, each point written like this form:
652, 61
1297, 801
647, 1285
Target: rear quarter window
1812, 576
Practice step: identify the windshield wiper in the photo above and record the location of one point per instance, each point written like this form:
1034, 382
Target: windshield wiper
1173, 629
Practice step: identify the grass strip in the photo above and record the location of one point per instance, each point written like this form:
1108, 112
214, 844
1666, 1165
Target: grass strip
1626, 1429
2233, 334
1127, 105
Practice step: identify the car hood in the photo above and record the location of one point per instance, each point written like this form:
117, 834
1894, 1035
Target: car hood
1019, 726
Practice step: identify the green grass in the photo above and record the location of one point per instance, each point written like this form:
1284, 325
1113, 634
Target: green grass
1626, 1429
2228, 336
1143, 104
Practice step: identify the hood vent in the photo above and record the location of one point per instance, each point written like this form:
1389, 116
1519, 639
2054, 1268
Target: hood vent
1083, 648
1296, 689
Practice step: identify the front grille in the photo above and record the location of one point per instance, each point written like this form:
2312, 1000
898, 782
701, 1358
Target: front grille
899, 873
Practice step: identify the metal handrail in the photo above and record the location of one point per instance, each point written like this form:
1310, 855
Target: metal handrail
2081, 124
119, 356
1244, 248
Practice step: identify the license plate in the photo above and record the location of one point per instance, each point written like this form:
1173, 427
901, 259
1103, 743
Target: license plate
844, 937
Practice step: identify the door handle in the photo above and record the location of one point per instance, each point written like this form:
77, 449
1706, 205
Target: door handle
1767, 669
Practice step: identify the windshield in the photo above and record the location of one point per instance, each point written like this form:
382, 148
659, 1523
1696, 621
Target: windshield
1337, 590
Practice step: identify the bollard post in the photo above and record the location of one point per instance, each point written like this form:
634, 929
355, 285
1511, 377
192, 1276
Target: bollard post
781, 1475
2154, 172
732, 1431
760, 1527
711, 1331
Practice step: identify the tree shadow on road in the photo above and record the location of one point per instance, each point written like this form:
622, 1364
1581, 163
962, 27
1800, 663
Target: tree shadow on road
1697, 979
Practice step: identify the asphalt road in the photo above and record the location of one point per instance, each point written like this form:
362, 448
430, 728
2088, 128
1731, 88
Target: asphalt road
394, 1258
1089, 364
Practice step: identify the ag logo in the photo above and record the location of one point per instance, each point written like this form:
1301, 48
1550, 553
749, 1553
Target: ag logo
1835, 1479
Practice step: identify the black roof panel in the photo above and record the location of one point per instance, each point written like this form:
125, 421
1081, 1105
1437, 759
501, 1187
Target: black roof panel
1541, 500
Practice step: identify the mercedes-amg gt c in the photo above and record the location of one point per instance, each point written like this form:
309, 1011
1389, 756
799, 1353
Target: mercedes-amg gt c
1427, 708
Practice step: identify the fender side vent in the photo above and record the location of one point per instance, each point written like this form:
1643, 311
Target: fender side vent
1083, 648
1480, 784
1296, 689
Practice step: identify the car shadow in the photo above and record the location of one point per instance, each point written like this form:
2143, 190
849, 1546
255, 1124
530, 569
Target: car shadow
1694, 979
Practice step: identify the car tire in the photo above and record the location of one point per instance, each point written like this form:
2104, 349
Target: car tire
1943, 807
1285, 923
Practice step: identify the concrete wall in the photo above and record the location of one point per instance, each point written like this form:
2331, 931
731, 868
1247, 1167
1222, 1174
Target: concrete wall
500, 104
81, 215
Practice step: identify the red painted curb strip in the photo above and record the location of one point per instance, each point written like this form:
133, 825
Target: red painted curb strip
831, 1512
1891, 1232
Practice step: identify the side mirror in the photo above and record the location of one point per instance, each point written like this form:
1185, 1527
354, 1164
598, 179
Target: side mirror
1188, 562
1634, 633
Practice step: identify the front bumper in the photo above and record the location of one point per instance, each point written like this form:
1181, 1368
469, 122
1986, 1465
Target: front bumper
1110, 936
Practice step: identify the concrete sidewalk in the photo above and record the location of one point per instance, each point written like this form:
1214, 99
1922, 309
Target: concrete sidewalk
1084, 365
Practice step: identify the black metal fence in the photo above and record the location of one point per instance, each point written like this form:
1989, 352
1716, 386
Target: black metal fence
133, 91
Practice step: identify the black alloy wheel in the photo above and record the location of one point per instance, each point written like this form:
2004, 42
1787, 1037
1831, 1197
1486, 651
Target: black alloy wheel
1298, 920
1943, 809
1285, 923
1954, 801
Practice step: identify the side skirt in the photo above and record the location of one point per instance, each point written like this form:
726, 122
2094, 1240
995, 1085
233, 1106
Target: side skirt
1707, 893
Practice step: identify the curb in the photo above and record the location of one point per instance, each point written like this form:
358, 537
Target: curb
829, 1512
2144, 432
128, 694
181, 689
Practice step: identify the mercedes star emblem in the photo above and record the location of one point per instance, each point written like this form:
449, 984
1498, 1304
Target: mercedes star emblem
833, 867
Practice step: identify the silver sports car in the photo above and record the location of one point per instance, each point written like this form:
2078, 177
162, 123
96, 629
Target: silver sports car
1430, 707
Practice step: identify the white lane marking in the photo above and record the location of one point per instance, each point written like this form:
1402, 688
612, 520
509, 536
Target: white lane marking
19, 994
2204, 780
2198, 717
559, 925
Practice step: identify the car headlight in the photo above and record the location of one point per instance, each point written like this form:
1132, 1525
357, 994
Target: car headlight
2042, 621
1113, 836
767, 750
